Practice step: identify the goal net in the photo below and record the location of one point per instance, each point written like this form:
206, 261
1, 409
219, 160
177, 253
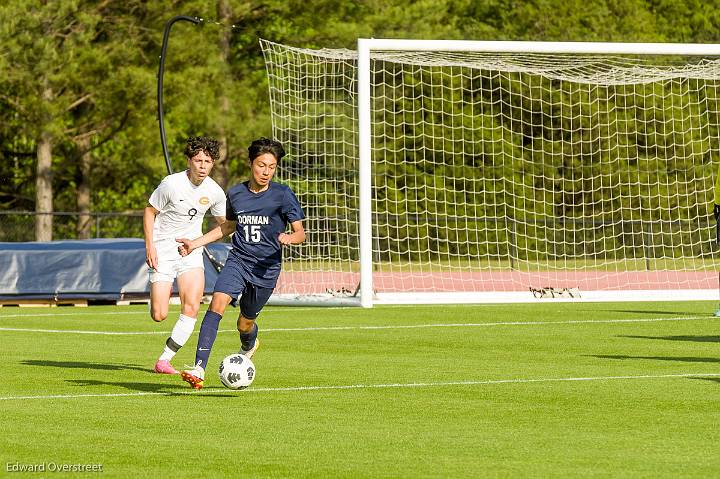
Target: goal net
499, 176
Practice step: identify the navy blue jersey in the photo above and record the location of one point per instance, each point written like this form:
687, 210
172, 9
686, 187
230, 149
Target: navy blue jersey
261, 217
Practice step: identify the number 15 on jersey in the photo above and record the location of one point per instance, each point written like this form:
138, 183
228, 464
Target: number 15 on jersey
252, 233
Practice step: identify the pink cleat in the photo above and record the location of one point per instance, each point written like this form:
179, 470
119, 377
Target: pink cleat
163, 366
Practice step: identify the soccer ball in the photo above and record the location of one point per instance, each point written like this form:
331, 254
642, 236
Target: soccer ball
236, 371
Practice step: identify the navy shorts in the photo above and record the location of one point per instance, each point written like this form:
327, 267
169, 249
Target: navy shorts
233, 282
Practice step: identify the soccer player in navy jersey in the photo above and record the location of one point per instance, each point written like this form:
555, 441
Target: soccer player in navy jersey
258, 212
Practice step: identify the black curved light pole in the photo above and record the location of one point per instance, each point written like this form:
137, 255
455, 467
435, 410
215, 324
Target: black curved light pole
161, 117
161, 72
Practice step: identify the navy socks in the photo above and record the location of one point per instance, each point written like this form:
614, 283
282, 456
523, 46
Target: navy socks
247, 340
208, 333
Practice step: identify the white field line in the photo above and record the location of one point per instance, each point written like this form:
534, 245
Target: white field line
381, 327
489, 382
32, 314
82, 331
146, 312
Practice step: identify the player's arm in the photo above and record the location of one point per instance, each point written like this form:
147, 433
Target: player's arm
296, 237
148, 226
215, 234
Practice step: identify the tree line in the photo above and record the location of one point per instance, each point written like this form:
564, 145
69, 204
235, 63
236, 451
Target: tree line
78, 122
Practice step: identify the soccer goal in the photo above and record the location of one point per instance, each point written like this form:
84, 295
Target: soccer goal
456, 171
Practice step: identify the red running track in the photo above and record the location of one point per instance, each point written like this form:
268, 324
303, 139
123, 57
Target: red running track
492, 281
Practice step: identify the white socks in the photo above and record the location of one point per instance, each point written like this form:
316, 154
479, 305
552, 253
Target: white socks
179, 336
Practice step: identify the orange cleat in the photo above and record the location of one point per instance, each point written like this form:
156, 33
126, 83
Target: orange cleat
195, 377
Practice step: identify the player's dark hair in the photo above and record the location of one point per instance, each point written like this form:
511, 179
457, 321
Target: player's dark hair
266, 145
196, 144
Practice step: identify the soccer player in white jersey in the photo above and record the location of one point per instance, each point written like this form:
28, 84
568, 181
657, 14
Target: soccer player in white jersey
176, 209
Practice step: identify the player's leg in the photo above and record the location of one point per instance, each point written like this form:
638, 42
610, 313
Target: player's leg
206, 338
210, 326
228, 287
248, 330
161, 281
160, 290
191, 284
252, 302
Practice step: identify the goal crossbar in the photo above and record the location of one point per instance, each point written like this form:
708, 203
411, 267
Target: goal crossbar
593, 48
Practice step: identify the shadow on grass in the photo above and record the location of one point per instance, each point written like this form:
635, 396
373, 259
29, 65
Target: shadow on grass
684, 359
713, 380
161, 386
224, 393
654, 312
179, 389
695, 339
133, 386
86, 365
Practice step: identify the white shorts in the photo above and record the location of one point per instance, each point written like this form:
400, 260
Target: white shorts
171, 264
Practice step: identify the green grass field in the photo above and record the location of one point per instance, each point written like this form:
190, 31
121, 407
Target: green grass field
530, 390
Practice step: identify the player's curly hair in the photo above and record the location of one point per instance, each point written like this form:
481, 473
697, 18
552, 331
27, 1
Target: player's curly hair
266, 145
196, 144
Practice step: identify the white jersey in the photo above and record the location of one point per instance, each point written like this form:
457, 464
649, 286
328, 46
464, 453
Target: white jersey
182, 206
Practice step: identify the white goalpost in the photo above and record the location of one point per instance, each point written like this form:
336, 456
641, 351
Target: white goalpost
463, 171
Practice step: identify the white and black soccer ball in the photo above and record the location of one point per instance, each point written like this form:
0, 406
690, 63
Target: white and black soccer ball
236, 371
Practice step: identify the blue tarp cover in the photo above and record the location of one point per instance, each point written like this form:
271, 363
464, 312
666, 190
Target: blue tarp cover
83, 269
